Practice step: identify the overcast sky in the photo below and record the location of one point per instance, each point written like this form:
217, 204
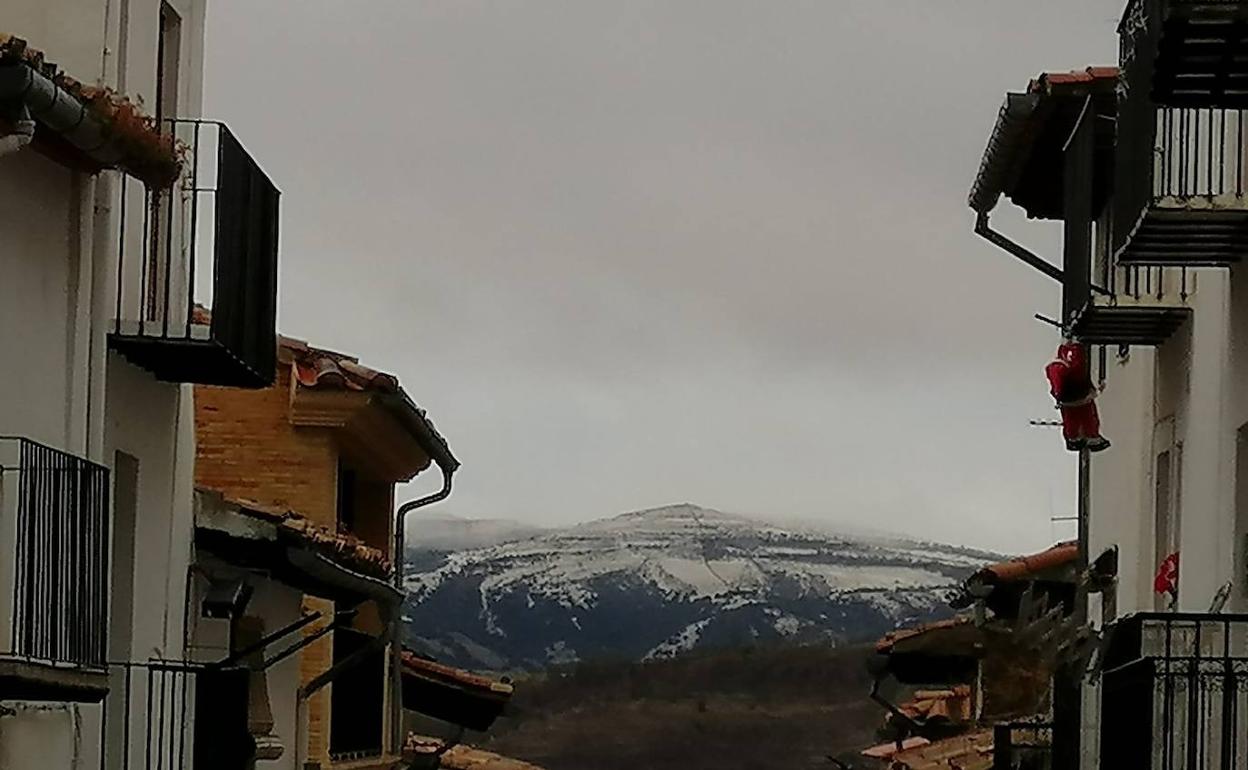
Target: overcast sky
635, 253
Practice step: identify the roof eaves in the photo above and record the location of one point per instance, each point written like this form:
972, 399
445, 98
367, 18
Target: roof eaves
1032, 566
1010, 144
892, 638
101, 128
1005, 151
423, 429
320, 368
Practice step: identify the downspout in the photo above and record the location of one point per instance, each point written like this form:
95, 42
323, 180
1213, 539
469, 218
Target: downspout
985, 231
400, 516
396, 623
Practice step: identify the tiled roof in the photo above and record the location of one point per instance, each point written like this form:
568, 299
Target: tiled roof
452, 695
343, 547
321, 369
1036, 123
953, 705
327, 370
417, 666
892, 638
972, 751
886, 750
460, 757
124, 136
1031, 567
1073, 80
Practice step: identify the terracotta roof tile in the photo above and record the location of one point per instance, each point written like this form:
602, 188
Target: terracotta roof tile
452, 695
321, 369
326, 369
889, 640
1030, 567
1023, 131
953, 705
348, 549
459, 757
972, 751
1097, 77
414, 665
886, 750
135, 141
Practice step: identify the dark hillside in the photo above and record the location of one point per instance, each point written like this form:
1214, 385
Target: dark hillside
751, 708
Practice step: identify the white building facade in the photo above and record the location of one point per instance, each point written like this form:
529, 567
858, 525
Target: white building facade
116, 237
1146, 167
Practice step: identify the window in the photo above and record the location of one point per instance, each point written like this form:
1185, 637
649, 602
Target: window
1240, 577
347, 502
357, 699
121, 595
168, 53
1165, 521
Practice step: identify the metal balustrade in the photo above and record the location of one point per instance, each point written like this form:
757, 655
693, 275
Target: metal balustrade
196, 293
54, 546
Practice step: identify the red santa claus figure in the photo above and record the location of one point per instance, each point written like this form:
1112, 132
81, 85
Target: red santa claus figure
1070, 381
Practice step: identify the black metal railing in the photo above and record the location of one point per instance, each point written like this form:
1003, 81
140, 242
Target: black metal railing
1022, 746
173, 715
54, 540
1168, 150
1175, 694
1188, 52
198, 265
1198, 152
1127, 283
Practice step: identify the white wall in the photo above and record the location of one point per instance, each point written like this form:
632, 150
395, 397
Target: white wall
60, 386
153, 422
1120, 477
279, 605
1206, 552
1183, 394
70, 32
37, 263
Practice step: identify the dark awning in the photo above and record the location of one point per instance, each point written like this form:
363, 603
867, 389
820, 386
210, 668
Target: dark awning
1024, 157
251, 543
452, 695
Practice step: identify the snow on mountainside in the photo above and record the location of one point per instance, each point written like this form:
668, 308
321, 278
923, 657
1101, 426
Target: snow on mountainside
661, 581
452, 533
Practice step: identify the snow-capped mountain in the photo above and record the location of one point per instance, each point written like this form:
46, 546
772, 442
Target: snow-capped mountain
661, 581
452, 533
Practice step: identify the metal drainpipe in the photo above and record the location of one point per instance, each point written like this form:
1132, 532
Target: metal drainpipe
396, 623
410, 506
985, 231
58, 111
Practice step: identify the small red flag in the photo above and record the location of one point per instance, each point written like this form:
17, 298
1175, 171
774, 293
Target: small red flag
1167, 579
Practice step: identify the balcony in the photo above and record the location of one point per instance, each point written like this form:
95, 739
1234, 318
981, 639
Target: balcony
54, 546
1022, 746
151, 718
1182, 196
196, 296
1187, 53
1136, 306
1174, 692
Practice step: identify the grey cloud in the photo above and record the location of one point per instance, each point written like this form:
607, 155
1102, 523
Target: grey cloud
633, 253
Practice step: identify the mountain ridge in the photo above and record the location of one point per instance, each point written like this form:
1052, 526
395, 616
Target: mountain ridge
658, 581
